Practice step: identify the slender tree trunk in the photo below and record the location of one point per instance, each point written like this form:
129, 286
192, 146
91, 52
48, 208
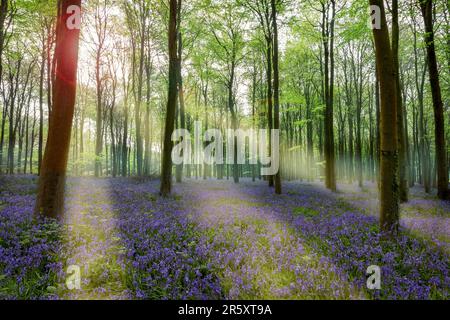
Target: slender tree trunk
421, 143
179, 170
234, 121
14, 83
166, 174
26, 135
137, 111
125, 133
2, 135
371, 139
32, 139
328, 43
99, 118
389, 204
51, 63
113, 137
254, 113
439, 130
276, 89
3, 15
309, 136
206, 167
402, 160
41, 106
378, 117
148, 147
81, 142
358, 82
269, 97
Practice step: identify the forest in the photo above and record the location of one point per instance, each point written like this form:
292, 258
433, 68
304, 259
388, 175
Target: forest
312, 139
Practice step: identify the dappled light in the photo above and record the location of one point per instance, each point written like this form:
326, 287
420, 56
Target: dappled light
230, 150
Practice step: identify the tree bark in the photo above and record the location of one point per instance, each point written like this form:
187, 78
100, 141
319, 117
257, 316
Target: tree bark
328, 44
166, 174
389, 204
179, 170
269, 98
439, 130
41, 105
147, 138
50, 198
3, 15
276, 89
402, 160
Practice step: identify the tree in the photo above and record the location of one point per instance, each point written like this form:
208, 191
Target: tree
389, 205
421, 138
328, 30
402, 159
181, 109
438, 108
7, 13
50, 198
262, 9
3, 27
138, 13
276, 86
100, 19
166, 173
228, 43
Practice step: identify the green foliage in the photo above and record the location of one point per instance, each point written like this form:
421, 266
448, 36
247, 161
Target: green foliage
305, 212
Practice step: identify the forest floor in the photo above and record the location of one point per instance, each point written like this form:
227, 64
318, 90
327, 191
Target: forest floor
219, 240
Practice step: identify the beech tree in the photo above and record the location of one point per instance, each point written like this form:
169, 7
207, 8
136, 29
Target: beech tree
3, 21
389, 193
50, 198
402, 158
276, 85
328, 29
166, 173
438, 107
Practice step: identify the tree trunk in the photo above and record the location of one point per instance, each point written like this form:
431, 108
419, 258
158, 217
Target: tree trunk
50, 198
32, 140
378, 117
41, 106
99, 118
179, 170
137, 111
269, 97
3, 15
402, 160
166, 174
276, 89
234, 122
51, 63
328, 43
125, 131
389, 204
439, 130
254, 74
148, 147
14, 89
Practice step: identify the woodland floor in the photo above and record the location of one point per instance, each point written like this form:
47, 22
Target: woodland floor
219, 240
